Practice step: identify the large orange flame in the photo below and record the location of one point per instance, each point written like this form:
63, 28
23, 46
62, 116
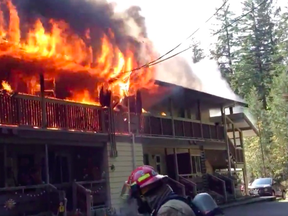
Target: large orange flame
60, 49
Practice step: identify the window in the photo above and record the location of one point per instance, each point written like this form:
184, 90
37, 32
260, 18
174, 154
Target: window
196, 164
158, 163
146, 159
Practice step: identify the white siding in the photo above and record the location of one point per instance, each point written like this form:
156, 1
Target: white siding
123, 167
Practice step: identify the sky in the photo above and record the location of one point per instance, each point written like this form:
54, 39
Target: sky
168, 23
171, 21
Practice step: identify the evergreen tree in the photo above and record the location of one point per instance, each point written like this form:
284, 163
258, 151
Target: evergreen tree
256, 57
223, 52
197, 51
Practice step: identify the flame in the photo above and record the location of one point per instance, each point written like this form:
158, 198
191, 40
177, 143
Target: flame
61, 50
144, 111
163, 114
6, 86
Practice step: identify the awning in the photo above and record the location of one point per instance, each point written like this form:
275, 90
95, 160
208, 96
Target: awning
240, 121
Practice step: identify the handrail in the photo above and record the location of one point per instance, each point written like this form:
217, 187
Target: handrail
182, 187
85, 190
228, 179
191, 183
89, 197
23, 187
223, 184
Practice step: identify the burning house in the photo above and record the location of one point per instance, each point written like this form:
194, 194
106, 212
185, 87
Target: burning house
75, 118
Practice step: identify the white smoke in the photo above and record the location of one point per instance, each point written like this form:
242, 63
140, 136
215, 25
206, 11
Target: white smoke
204, 76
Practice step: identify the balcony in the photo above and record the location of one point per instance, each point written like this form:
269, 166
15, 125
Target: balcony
27, 111
184, 128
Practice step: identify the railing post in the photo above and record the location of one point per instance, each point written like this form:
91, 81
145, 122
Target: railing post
88, 203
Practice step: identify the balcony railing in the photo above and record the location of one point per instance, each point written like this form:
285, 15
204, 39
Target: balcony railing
31, 111
163, 126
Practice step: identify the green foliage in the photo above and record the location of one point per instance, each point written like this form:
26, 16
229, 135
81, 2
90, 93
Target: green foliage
253, 56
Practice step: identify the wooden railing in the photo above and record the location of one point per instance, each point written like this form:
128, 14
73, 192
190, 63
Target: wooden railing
90, 195
190, 186
217, 185
229, 183
163, 126
30, 200
177, 187
236, 153
50, 113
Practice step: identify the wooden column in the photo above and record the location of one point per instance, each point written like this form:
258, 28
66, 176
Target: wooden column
199, 116
171, 109
190, 159
226, 139
244, 162
234, 142
47, 164
176, 164
5, 164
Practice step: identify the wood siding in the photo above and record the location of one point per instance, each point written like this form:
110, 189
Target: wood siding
123, 167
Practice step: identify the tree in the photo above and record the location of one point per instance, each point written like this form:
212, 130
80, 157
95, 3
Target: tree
255, 67
279, 125
224, 49
197, 52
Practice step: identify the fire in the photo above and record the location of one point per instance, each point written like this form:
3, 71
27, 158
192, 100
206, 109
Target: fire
6, 86
163, 114
60, 51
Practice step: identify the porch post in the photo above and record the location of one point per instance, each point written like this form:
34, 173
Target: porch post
190, 159
47, 164
5, 164
244, 162
176, 164
200, 117
226, 139
172, 115
234, 142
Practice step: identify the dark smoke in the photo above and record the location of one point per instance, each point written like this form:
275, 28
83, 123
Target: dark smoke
96, 15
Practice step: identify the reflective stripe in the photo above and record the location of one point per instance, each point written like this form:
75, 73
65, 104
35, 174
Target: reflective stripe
144, 177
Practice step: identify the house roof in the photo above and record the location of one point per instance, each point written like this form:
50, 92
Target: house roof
204, 96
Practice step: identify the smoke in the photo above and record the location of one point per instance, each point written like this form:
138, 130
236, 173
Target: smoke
203, 76
178, 71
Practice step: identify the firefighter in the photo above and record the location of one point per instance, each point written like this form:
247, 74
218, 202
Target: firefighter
153, 195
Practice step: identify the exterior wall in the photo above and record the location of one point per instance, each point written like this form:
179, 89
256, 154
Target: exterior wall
205, 112
123, 167
209, 168
153, 151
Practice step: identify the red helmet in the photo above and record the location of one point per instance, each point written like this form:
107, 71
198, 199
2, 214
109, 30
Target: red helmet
141, 177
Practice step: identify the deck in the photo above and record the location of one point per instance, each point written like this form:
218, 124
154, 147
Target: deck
30, 111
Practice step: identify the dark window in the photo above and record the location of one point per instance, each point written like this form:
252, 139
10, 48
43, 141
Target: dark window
146, 159
158, 167
158, 159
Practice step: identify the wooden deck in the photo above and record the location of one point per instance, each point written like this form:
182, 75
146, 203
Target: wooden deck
30, 111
